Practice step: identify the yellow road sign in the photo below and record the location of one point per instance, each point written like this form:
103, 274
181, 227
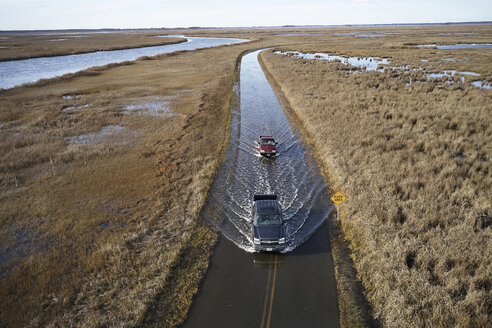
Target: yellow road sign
338, 198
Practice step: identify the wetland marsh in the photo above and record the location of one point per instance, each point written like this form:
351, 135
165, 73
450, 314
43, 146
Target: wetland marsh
95, 168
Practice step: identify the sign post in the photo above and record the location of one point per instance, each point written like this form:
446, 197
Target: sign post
338, 199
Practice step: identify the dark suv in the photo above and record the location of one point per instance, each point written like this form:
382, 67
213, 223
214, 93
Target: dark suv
268, 229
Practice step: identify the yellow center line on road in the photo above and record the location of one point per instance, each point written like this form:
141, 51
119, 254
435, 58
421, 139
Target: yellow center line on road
266, 295
272, 292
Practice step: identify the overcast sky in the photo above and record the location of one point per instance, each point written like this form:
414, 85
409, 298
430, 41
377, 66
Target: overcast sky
67, 14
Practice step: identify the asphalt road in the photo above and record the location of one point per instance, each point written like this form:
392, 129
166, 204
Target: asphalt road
247, 289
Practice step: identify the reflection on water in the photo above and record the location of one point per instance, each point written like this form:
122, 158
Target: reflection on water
17, 72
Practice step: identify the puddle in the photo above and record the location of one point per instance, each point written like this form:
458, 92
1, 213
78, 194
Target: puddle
458, 46
445, 73
458, 33
373, 64
54, 40
466, 46
358, 35
69, 97
301, 34
363, 35
27, 241
460, 157
156, 108
368, 63
455, 60
107, 133
370, 35
74, 108
344, 33
110, 225
482, 85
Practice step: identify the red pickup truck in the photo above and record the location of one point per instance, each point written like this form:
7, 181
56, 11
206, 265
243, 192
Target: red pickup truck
267, 146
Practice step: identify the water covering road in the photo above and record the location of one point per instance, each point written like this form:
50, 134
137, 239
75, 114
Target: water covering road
247, 289
17, 72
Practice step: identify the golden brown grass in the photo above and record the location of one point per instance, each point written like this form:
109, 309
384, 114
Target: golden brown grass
89, 231
18, 45
354, 309
415, 165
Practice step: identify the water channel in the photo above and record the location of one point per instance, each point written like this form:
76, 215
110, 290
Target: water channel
17, 72
247, 289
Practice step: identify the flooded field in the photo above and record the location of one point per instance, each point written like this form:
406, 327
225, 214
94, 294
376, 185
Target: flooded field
367, 63
383, 64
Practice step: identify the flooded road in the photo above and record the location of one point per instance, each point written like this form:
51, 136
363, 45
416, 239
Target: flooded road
247, 289
17, 72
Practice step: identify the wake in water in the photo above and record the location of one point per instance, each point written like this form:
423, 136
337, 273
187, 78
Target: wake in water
292, 174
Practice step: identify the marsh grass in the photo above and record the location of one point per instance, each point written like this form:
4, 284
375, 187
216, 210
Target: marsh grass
414, 163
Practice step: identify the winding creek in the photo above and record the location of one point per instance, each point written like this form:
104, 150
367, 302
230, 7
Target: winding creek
17, 72
247, 289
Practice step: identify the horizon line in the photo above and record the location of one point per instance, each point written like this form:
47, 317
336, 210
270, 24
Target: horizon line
248, 27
